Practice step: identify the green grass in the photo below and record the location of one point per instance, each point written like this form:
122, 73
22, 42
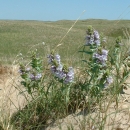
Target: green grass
20, 36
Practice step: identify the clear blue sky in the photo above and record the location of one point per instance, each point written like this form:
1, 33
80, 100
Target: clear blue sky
53, 10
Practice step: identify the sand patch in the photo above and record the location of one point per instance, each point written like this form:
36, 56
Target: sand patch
10, 98
111, 117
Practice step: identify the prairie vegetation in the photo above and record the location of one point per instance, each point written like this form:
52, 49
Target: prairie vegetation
82, 85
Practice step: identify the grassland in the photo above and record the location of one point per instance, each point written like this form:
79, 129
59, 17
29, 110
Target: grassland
19, 36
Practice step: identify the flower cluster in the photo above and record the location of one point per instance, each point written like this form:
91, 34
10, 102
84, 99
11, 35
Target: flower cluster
27, 73
92, 38
101, 56
60, 71
35, 76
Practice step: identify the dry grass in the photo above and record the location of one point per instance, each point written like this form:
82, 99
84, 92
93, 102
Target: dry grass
105, 117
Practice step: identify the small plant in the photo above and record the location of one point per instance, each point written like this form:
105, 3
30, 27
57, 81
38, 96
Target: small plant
32, 73
98, 69
48, 95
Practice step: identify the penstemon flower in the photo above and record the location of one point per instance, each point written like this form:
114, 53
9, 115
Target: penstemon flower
101, 57
59, 71
69, 76
57, 58
92, 37
59, 67
109, 80
89, 40
38, 76
29, 74
104, 52
50, 58
53, 69
96, 35
62, 75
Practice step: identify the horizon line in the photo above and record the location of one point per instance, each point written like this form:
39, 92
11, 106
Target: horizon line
61, 19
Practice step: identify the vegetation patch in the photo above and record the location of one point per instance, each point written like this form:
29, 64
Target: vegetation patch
69, 75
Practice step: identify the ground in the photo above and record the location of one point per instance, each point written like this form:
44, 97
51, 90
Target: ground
115, 118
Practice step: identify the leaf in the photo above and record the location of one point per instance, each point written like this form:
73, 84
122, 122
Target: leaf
85, 61
67, 94
87, 52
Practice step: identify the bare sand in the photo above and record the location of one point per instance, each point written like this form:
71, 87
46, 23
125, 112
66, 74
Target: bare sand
10, 98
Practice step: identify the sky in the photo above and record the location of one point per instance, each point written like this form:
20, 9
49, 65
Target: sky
53, 10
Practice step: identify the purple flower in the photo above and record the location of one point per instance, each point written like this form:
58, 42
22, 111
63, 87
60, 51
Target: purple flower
109, 80
104, 52
101, 58
97, 42
89, 40
69, 76
60, 67
96, 35
57, 57
50, 58
32, 77
62, 75
35, 77
93, 38
53, 69
38, 76
71, 70
58, 71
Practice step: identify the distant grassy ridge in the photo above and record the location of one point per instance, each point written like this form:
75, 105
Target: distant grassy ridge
20, 36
